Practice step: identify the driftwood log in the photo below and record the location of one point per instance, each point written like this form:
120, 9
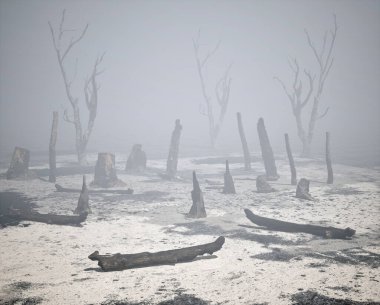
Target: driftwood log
247, 155
50, 218
172, 162
293, 171
302, 190
52, 153
83, 201
263, 186
330, 175
60, 188
19, 166
198, 207
105, 171
229, 186
136, 160
284, 226
267, 152
117, 262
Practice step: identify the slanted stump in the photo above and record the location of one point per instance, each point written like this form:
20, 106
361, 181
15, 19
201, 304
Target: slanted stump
247, 155
198, 208
83, 201
267, 152
302, 191
172, 162
136, 160
229, 186
263, 186
19, 167
105, 171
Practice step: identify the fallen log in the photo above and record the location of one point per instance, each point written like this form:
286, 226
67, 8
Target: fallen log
49, 218
117, 262
60, 188
284, 226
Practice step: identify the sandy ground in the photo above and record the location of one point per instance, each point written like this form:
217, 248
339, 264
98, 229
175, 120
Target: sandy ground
48, 264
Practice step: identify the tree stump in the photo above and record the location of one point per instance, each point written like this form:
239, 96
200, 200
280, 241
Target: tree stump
19, 167
330, 175
229, 186
262, 185
291, 161
136, 160
83, 201
247, 155
267, 152
52, 153
105, 171
171, 164
198, 208
302, 191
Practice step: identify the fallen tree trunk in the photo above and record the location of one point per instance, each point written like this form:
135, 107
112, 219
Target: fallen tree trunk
60, 188
284, 226
50, 218
117, 262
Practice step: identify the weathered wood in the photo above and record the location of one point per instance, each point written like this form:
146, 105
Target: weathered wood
330, 175
284, 226
117, 262
19, 166
172, 162
229, 186
105, 171
302, 191
293, 171
198, 207
52, 153
267, 152
136, 160
60, 188
247, 155
263, 186
50, 218
83, 201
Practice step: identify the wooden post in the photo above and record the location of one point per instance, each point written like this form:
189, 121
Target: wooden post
247, 155
19, 166
137, 159
267, 152
52, 153
105, 171
291, 161
229, 186
198, 208
83, 201
330, 175
171, 164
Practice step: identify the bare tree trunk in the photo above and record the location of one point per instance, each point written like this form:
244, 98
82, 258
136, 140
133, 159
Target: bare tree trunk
267, 152
247, 155
291, 161
229, 186
52, 153
19, 167
198, 207
330, 175
172, 162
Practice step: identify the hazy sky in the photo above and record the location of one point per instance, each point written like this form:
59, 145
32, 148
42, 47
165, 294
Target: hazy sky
150, 76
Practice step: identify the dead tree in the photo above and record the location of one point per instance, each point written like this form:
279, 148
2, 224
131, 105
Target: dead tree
83, 201
52, 153
91, 88
222, 91
267, 152
105, 171
229, 186
117, 262
198, 207
172, 162
302, 190
299, 99
247, 155
19, 166
136, 160
330, 175
291, 161
263, 186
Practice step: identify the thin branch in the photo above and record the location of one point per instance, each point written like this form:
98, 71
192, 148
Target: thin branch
66, 117
74, 42
311, 88
323, 114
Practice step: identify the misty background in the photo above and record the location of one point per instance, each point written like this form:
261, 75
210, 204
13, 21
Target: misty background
150, 76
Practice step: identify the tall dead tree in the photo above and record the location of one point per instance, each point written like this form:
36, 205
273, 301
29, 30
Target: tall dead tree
299, 98
52, 153
222, 91
267, 152
172, 162
291, 161
330, 175
247, 155
91, 87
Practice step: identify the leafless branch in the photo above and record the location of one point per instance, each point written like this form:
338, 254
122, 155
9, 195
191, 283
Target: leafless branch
323, 114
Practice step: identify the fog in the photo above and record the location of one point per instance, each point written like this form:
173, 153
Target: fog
150, 76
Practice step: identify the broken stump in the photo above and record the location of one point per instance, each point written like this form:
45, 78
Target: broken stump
302, 191
198, 208
172, 161
229, 186
293, 180
19, 167
105, 171
83, 201
137, 159
262, 185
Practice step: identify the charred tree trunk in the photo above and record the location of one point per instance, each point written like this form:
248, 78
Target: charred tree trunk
267, 152
198, 208
172, 162
263, 186
330, 175
284, 226
247, 155
302, 191
117, 262
291, 161
19, 166
137, 159
52, 154
105, 171
229, 186
83, 202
